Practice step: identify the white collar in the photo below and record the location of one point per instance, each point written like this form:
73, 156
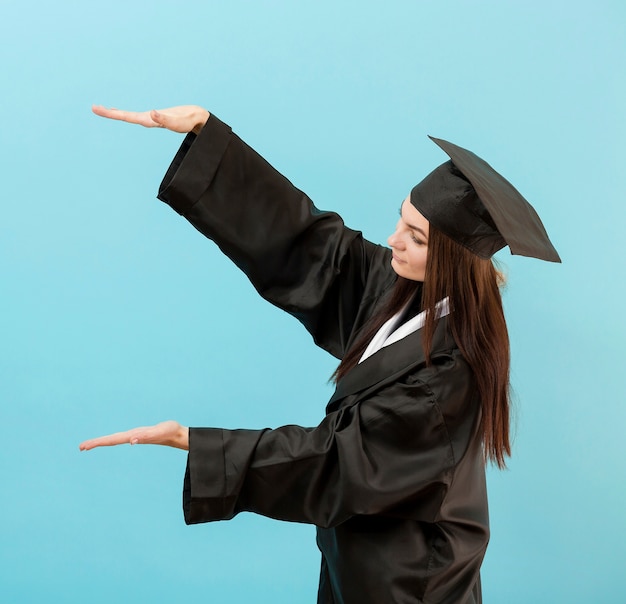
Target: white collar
388, 334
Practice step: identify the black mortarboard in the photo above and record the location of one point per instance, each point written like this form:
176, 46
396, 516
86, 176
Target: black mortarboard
469, 201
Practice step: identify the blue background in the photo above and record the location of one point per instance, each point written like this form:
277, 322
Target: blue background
116, 313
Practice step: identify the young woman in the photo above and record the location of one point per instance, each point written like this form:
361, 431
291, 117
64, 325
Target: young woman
393, 477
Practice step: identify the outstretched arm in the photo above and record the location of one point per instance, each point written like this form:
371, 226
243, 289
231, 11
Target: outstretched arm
169, 434
184, 118
299, 258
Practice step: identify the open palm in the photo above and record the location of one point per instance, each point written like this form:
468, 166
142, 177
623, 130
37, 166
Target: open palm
184, 118
169, 433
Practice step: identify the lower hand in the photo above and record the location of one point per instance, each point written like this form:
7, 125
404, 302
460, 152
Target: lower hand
184, 118
169, 434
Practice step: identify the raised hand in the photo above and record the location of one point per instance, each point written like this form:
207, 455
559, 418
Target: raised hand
169, 434
184, 118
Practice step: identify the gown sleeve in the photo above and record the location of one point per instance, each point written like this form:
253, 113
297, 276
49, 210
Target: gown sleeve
393, 453
303, 260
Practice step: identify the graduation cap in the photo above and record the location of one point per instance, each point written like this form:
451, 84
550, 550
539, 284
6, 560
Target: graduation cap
469, 201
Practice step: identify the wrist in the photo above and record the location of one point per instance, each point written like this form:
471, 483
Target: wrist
203, 116
183, 438
177, 437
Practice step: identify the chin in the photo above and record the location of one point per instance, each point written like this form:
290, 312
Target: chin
401, 270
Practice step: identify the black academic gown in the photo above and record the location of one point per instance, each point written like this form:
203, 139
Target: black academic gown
393, 477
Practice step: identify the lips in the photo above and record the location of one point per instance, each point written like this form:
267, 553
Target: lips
398, 259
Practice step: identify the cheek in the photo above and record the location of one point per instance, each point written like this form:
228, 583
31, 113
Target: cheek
416, 265
422, 264
418, 258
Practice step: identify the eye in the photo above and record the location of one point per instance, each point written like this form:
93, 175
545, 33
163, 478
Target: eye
416, 240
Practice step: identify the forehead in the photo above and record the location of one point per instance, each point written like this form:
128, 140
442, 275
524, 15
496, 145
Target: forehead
411, 215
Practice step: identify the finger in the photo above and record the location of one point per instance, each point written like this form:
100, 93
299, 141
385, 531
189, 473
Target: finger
160, 120
109, 112
166, 433
176, 119
151, 435
132, 117
110, 440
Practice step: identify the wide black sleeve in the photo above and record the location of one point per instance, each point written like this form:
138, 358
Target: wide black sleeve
301, 259
387, 454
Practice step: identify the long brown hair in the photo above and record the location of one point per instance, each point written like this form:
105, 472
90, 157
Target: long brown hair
476, 319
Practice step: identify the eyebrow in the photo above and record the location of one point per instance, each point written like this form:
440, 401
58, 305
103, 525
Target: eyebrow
412, 226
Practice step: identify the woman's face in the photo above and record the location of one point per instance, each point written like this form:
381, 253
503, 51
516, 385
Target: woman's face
409, 243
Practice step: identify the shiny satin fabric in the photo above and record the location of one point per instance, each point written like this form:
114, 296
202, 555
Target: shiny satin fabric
393, 477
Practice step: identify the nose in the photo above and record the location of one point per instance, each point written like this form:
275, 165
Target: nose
394, 240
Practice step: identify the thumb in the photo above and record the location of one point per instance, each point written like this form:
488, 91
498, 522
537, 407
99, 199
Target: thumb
158, 118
